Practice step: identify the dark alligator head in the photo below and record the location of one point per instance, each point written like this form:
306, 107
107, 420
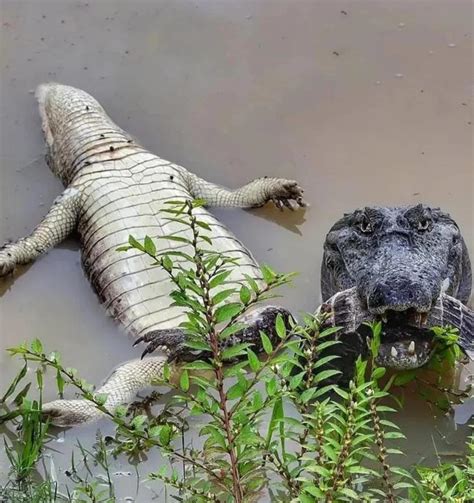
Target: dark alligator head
407, 266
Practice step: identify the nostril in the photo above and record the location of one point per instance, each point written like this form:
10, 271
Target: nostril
379, 297
398, 296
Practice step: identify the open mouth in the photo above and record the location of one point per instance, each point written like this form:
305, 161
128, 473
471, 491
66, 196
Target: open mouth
407, 340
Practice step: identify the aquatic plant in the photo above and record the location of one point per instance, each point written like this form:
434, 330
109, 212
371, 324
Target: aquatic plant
272, 427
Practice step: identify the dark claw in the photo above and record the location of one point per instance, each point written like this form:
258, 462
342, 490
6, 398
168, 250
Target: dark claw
171, 339
288, 204
278, 204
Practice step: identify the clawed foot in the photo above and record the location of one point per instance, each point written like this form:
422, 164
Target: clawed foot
286, 193
7, 262
170, 341
346, 311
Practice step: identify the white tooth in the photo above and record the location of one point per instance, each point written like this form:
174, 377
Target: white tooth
411, 347
394, 352
384, 318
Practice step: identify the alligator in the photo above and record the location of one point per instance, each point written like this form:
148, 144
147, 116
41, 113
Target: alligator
405, 266
408, 266
114, 188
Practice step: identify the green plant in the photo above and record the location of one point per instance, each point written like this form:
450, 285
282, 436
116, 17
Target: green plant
271, 426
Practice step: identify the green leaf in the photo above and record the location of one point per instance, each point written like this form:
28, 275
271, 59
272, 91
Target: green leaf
329, 331
203, 225
320, 470
138, 422
231, 330
280, 327
257, 401
325, 374
218, 279
165, 434
254, 362
100, 398
405, 377
378, 373
18, 400
14, 384
149, 246
39, 378
60, 383
268, 274
221, 296
307, 395
325, 359
349, 492
245, 295
205, 239
198, 365
36, 346
120, 411
176, 202
198, 345
253, 284
179, 239
184, 381
271, 386
228, 311
234, 351
314, 491
166, 372
295, 381
135, 244
235, 391
277, 415
266, 343
123, 248
197, 203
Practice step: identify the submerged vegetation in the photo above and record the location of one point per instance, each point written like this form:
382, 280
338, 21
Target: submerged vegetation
275, 427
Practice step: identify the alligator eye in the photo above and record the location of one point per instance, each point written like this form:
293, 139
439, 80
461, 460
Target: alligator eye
365, 226
424, 224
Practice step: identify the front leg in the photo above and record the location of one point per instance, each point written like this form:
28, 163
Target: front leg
280, 191
54, 228
173, 341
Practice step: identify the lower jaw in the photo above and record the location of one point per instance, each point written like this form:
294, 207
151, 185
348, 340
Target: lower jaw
404, 360
403, 347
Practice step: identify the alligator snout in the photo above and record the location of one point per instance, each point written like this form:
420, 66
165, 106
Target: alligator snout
399, 295
407, 267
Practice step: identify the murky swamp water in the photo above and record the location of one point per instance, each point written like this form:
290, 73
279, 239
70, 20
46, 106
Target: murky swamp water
363, 102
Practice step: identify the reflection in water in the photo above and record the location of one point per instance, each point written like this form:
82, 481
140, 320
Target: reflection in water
232, 91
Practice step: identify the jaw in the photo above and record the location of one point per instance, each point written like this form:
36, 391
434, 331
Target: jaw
402, 346
407, 340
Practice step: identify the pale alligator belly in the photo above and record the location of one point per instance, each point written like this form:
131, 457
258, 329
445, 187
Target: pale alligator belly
126, 197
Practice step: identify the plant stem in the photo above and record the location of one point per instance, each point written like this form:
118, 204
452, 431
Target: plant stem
382, 455
202, 276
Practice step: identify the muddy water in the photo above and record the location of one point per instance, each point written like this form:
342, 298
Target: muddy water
362, 102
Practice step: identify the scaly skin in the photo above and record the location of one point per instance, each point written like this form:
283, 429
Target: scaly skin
115, 188
407, 266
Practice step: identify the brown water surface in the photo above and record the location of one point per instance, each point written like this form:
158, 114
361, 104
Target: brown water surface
364, 102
